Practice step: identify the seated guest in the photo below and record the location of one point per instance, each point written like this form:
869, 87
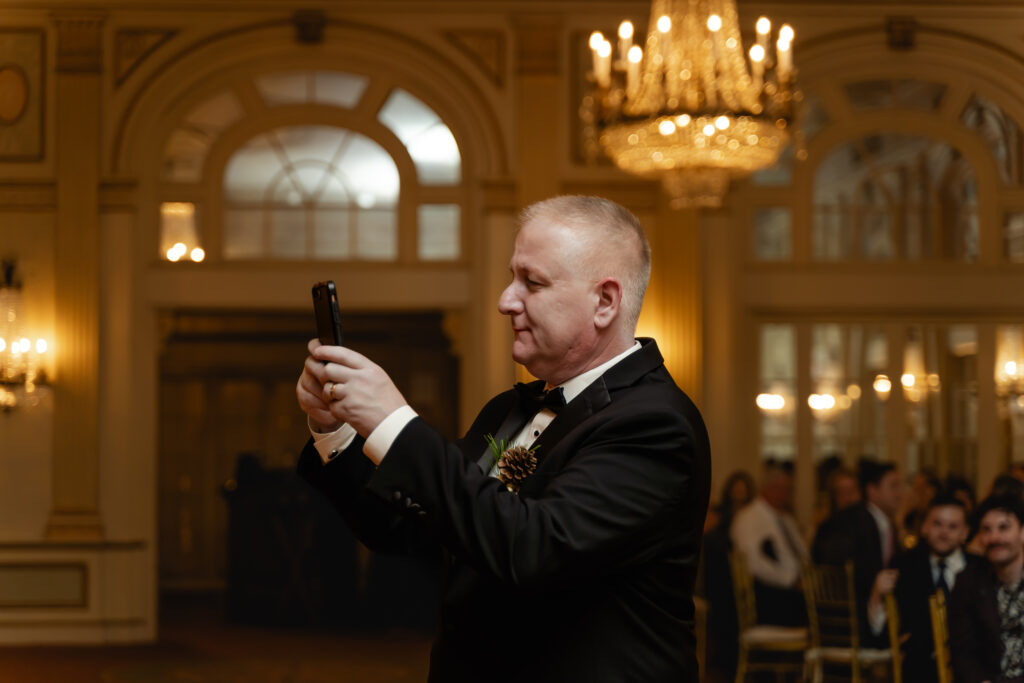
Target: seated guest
986, 609
932, 565
865, 534
768, 536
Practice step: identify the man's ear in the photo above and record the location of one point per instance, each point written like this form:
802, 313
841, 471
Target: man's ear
609, 302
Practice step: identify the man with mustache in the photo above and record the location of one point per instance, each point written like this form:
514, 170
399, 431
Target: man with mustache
986, 609
582, 569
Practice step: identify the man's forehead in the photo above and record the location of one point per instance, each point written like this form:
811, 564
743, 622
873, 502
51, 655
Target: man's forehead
947, 511
998, 517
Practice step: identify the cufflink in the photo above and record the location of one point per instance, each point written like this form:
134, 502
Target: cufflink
333, 454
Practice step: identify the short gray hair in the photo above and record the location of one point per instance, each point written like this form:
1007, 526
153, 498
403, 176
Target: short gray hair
616, 227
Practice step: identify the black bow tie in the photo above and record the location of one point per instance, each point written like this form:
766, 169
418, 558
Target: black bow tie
534, 399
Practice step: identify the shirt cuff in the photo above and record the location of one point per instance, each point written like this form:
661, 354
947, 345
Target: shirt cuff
379, 442
330, 444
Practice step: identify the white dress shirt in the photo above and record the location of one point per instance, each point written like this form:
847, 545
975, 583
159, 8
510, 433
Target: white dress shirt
759, 522
329, 445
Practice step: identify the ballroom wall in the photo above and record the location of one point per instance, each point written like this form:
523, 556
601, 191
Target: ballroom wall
95, 90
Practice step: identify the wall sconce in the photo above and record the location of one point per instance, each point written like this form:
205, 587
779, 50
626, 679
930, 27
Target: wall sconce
21, 361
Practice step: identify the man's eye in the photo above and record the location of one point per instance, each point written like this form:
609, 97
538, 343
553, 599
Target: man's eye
532, 283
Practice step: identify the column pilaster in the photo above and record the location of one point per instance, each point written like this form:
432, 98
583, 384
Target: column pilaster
75, 513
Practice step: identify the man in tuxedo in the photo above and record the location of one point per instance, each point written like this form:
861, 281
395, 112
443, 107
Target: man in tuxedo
866, 534
986, 609
932, 565
767, 534
586, 572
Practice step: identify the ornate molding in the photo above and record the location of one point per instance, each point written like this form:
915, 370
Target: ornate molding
132, 46
79, 41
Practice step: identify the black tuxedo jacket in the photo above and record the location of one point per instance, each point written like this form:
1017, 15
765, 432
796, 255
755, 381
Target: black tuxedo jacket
852, 535
975, 643
588, 573
914, 587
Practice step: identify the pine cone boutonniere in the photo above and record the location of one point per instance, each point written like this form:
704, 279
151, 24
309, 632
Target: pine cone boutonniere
515, 463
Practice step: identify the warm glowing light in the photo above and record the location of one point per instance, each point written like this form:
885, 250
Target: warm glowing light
177, 251
782, 45
786, 33
666, 127
722, 122
197, 254
709, 130
3, 344
41, 346
1011, 368
664, 23
933, 380
756, 53
821, 401
770, 402
604, 49
764, 26
907, 380
714, 23
683, 120
596, 40
625, 30
882, 384
636, 54
853, 391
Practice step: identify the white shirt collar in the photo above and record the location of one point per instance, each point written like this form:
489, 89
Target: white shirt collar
572, 388
955, 561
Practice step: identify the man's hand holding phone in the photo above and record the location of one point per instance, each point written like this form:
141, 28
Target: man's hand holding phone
338, 385
355, 389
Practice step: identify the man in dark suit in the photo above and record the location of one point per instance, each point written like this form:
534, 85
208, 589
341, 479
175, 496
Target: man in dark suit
986, 609
865, 534
587, 572
932, 565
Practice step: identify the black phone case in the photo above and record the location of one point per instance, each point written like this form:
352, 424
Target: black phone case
328, 317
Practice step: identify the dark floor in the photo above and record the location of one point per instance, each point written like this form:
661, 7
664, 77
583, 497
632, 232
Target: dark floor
197, 645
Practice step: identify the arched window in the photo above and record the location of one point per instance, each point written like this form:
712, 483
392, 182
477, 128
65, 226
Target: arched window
314, 190
894, 197
311, 192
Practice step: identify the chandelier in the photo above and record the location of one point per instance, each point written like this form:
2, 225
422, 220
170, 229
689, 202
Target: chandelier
21, 361
688, 108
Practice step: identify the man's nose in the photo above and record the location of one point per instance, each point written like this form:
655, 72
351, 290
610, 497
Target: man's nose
508, 302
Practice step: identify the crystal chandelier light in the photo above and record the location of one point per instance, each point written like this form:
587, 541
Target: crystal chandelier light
689, 108
21, 363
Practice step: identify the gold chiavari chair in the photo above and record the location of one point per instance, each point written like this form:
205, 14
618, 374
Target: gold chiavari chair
834, 633
762, 647
940, 633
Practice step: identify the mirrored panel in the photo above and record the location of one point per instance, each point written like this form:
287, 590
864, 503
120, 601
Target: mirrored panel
773, 239
776, 399
849, 388
894, 197
1009, 375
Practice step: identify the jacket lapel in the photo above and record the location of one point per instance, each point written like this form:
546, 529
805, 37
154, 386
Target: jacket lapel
592, 400
514, 421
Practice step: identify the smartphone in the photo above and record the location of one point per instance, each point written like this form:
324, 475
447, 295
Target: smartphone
328, 317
